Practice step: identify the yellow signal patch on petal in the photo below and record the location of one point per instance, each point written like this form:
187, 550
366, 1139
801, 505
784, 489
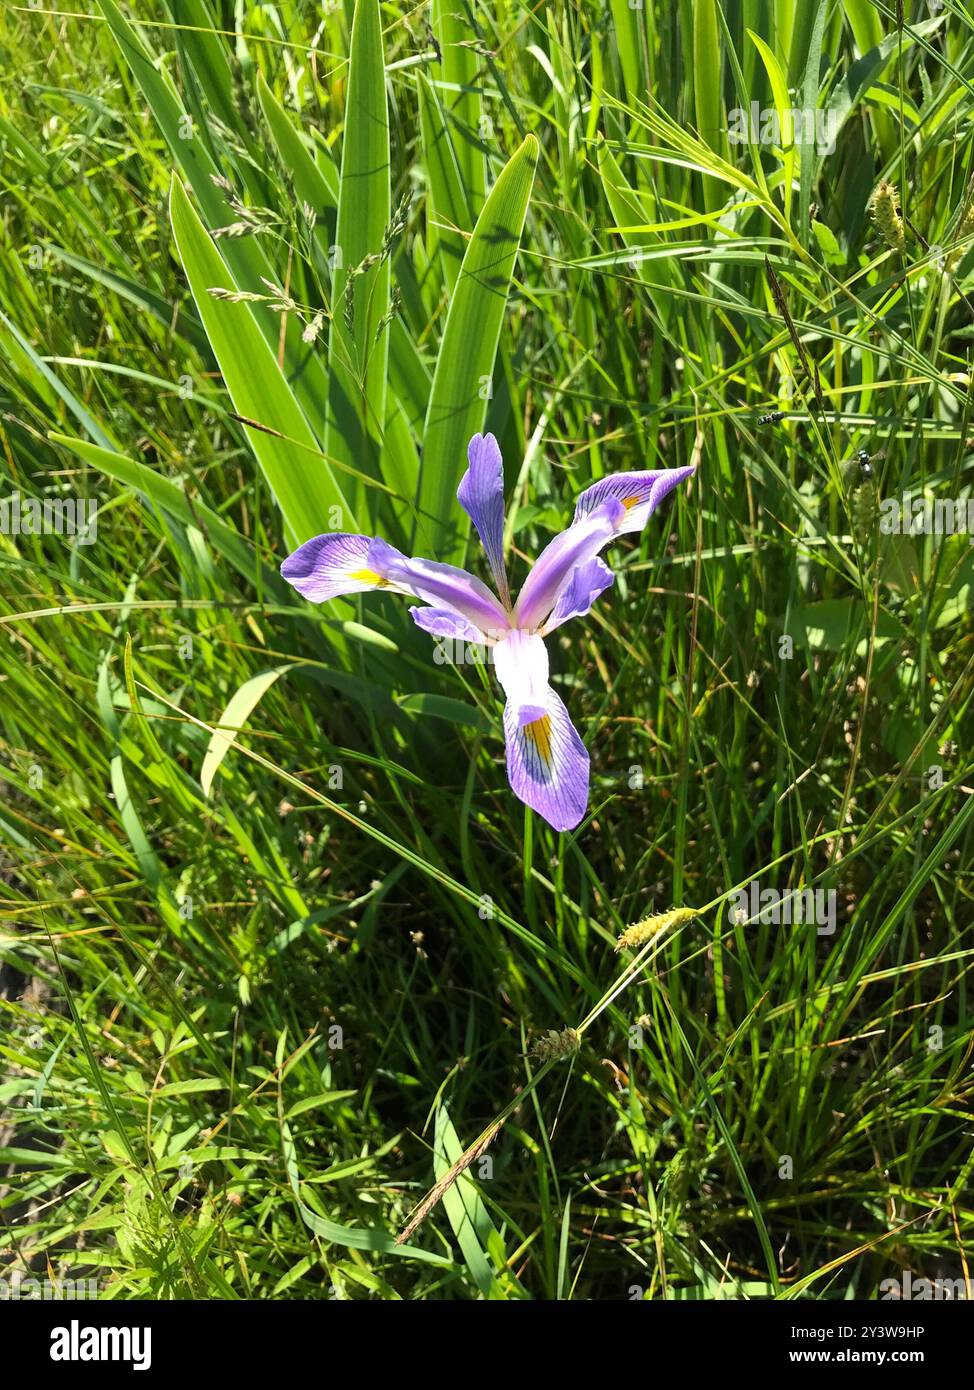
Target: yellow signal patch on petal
630, 502
369, 577
538, 732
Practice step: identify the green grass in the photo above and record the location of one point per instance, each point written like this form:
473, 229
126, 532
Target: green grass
255, 1005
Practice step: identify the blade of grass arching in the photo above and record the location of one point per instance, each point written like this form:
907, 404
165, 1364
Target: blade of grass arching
303, 485
241, 706
465, 363
460, 96
372, 1238
82, 416
164, 493
303, 365
358, 345
185, 325
355, 1237
786, 125
627, 212
334, 1232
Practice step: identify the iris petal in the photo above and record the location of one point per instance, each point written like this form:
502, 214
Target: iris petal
443, 622
639, 493
330, 565
584, 585
547, 764
481, 495
443, 586
335, 564
552, 570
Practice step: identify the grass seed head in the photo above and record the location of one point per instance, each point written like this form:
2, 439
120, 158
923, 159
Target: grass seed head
553, 1045
641, 932
885, 212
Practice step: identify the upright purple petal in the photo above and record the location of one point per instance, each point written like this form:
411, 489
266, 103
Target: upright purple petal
521, 664
337, 563
639, 493
443, 586
552, 570
547, 764
481, 495
585, 584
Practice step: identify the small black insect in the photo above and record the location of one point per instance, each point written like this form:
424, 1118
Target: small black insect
865, 460
771, 418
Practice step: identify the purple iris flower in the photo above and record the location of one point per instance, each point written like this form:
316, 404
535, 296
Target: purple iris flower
547, 763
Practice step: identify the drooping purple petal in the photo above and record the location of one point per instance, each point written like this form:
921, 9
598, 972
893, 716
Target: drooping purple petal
443, 586
443, 622
639, 493
551, 573
481, 495
584, 585
333, 564
547, 764
521, 663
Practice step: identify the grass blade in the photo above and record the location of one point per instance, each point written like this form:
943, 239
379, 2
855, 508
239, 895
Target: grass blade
300, 480
359, 342
464, 366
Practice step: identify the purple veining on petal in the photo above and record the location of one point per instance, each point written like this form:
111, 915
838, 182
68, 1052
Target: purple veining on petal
585, 584
548, 765
639, 493
330, 565
481, 495
552, 570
